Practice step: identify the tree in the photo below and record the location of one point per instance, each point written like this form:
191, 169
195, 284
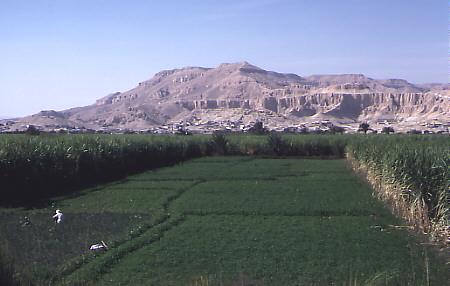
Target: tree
32, 130
276, 143
414, 131
387, 130
183, 131
220, 142
258, 128
303, 130
336, 129
364, 127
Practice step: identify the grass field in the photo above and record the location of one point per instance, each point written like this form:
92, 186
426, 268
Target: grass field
222, 221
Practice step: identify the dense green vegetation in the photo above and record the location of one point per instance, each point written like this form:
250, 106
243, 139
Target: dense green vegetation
115, 213
36, 167
222, 221
411, 173
7, 272
274, 250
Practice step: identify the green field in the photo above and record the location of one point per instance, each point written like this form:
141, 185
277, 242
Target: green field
222, 221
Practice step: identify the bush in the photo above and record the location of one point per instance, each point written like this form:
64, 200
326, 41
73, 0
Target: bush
32, 130
387, 130
364, 127
336, 129
220, 142
276, 143
258, 129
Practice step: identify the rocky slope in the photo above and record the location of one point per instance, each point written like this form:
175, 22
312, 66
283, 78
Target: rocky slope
240, 89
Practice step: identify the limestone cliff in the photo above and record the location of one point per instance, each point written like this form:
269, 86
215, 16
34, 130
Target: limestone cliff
178, 94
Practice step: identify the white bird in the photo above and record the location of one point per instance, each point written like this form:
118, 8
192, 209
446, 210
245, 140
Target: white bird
97, 246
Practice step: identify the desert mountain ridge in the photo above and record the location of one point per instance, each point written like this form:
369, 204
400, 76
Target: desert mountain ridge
239, 94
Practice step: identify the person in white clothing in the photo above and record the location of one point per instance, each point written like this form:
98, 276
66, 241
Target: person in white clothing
58, 217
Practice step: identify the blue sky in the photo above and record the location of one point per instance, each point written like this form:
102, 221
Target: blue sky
61, 54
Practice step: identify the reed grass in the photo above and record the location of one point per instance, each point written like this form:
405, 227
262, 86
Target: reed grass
412, 174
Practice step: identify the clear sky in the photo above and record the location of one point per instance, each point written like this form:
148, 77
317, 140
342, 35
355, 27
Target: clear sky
56, 54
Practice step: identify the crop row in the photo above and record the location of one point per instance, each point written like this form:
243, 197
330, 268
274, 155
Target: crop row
271, 250
279, 230
197, 202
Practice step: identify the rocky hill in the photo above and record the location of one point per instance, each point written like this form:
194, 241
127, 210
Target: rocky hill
245, 93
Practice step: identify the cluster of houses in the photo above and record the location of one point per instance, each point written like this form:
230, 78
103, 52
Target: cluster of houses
197, 126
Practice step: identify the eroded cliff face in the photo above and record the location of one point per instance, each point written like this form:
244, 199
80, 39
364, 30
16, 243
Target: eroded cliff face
232, 88
362, 106
340, 105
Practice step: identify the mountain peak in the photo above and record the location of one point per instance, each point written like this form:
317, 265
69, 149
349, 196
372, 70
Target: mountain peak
230, 90
165, 73
238, 66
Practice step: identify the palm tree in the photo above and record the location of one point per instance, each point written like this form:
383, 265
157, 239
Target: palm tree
387, 130
364, 127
